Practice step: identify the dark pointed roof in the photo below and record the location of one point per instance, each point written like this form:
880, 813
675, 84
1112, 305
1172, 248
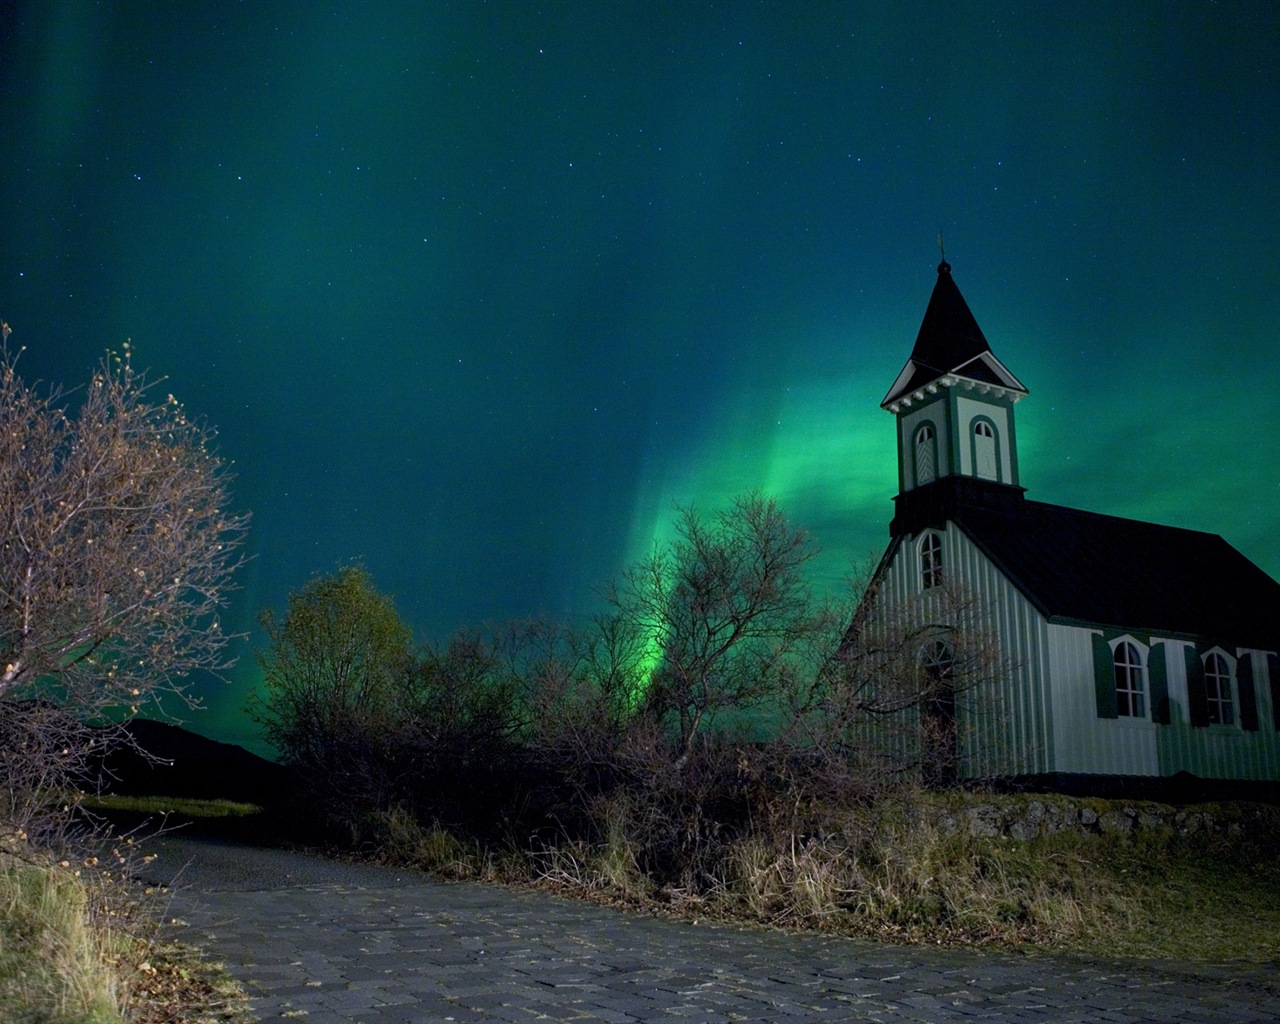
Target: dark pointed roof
950, 342
1083, 567
949, 335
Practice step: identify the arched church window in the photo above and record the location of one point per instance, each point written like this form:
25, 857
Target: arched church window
930, 560
926, 455
984, 450
1131, 680
1217, 689
938, 663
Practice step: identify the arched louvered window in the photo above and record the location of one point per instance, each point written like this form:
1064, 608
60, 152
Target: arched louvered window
926, 454
930, 560
984, 451
1131, 680
1217, 690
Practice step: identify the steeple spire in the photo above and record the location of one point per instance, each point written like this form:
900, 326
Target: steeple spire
950, 344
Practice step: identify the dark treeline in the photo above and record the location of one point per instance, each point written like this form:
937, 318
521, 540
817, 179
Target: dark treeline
714, 699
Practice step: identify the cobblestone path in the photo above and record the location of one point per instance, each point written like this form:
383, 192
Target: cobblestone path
324, 942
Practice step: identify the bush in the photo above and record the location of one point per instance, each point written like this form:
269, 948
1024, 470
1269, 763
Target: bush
373, 725
336, 687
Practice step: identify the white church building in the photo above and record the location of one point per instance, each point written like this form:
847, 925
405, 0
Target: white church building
1135, 656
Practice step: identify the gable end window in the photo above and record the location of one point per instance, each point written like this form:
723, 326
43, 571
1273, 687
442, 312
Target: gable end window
1131, 680
930, 561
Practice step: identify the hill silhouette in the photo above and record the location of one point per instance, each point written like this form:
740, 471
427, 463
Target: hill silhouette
184, 763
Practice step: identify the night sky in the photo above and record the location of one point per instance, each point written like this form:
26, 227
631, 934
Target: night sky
476, 292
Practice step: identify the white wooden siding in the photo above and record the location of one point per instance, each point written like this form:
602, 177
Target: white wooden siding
1004, 725
1087, 743
1219, 751
1041, 715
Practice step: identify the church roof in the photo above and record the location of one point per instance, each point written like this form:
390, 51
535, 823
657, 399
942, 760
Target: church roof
950, 344
949, 335
1083, 567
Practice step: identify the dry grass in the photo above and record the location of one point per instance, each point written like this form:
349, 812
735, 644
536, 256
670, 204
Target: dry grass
59, 961
897, 874
609, 869
398, 838
166, 805
78, 945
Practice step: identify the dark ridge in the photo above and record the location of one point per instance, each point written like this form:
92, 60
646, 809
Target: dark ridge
183, 763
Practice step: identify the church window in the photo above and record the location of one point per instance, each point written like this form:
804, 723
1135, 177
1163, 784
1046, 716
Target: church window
984, 450
1217, 690
938, 663
940, 760
1131, 681
926, 455
930, 560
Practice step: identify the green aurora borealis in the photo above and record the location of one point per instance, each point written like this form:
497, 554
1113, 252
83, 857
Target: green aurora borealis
474, 292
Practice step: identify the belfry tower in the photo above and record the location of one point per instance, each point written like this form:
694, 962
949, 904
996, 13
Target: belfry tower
954, 404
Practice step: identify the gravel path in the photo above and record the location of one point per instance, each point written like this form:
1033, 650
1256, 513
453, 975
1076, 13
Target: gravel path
328, 942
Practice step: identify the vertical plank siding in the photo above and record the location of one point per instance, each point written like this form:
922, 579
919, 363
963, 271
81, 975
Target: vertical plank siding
1038, 712
1220, 751
1139, 746
1090, 744
1001, 723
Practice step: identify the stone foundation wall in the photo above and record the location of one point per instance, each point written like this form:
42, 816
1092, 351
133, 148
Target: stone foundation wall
1025, 818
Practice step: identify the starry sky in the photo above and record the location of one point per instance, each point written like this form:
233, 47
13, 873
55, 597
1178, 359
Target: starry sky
475, 293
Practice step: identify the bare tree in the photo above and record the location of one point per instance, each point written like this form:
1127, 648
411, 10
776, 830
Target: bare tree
117, 547
895, 688
116, 537
724, 609
582, 686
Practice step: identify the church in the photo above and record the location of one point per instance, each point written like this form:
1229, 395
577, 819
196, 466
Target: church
1136, 658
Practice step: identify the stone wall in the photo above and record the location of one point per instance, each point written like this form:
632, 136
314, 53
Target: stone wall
1029, 817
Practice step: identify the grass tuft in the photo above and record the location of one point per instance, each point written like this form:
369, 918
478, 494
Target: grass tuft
78, 945
398, 838
57, 963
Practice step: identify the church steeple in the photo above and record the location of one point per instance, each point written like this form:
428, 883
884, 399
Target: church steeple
954, 405
950, 342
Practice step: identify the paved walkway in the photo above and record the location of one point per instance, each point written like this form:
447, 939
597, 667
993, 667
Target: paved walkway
327, 943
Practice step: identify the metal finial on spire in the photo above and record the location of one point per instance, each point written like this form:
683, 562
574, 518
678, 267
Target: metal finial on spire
944, 267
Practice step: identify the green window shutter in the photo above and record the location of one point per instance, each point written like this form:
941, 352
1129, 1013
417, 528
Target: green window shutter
1158, 678
1248, 698
1197, 700
1273, 673
1104, 677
